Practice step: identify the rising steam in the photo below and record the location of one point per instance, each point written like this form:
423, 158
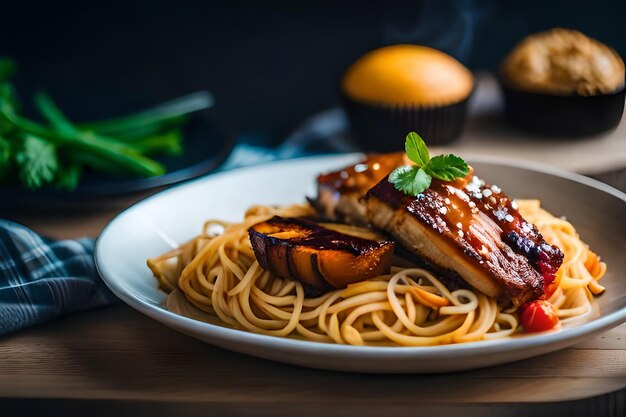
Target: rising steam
447, 25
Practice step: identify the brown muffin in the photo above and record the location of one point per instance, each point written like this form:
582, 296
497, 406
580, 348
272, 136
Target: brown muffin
562, 82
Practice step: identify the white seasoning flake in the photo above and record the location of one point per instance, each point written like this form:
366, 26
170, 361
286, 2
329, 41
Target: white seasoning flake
360, 168
496, 189
487, 192
508, 218
501, 213
474, 185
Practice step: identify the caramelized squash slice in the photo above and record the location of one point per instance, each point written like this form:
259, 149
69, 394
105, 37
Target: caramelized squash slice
320, 255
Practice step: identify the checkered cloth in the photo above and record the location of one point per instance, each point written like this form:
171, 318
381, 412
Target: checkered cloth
41, 278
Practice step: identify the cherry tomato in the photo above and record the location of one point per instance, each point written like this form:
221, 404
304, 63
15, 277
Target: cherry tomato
538, 316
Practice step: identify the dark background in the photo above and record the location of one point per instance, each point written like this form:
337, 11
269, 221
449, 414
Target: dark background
270, 64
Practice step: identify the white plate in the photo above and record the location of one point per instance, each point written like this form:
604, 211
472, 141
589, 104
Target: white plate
160, 222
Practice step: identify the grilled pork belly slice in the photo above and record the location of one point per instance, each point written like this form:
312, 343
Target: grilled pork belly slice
339, 192
320, 255
473, 229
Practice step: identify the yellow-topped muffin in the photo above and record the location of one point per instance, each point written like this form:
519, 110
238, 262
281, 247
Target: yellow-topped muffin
408, 74
391, 91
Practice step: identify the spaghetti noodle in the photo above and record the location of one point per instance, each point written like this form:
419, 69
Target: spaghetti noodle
217, 272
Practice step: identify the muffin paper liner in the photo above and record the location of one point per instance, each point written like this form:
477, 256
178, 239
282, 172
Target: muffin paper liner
565, 116
383, 128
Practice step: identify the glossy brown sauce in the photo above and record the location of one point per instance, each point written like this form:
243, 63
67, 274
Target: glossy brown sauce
360, 177
481, 220
443, 207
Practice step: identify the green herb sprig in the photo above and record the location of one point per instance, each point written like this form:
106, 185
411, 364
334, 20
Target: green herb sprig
414, 179
56, 151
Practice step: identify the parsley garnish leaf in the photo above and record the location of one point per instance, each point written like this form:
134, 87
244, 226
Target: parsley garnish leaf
416, 149
410, 179
447, 167
37, 161
413, 180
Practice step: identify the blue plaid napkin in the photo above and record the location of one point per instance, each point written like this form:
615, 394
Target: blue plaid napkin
41, 278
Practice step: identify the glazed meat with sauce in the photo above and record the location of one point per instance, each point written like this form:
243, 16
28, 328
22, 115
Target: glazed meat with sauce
473, 229
339, 192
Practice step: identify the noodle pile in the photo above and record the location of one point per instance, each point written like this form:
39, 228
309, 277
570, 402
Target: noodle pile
217, 272
581, 269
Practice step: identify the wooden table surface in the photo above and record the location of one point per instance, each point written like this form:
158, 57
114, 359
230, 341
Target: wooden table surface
116, 361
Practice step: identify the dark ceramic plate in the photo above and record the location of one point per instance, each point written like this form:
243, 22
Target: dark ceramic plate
206, 147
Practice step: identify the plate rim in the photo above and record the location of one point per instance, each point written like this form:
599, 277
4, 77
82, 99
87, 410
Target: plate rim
183, 323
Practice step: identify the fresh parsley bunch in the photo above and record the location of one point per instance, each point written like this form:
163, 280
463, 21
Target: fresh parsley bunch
57, 151
414, 179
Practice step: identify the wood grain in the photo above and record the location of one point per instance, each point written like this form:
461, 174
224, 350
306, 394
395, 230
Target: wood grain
59, 225
117, 353
115, 361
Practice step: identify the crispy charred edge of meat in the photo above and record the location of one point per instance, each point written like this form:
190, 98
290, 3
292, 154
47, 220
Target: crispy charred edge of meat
521, 236
519, 284
317, 255
339, 198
